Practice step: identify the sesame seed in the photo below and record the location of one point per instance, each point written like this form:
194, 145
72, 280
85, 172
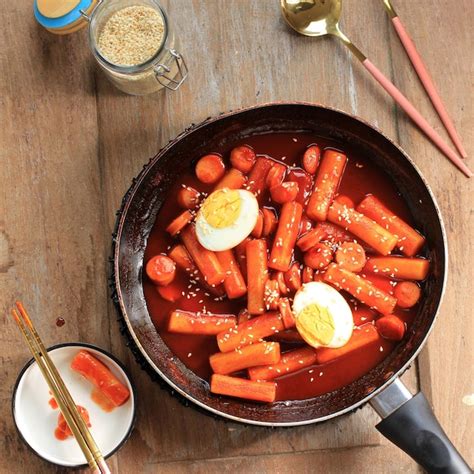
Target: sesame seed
131, 35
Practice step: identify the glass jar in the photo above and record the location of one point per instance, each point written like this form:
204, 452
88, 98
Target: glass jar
166, 68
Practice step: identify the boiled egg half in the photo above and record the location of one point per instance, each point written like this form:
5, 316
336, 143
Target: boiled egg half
226, 218
323, 317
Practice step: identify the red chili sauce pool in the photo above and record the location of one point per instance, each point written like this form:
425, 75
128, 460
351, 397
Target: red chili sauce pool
360, 178
62, 431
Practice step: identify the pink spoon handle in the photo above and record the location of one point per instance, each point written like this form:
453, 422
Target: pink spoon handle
406, 105
428, 83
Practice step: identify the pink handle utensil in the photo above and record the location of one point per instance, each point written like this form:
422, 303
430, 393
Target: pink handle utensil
320, 18
425, 77
413, 113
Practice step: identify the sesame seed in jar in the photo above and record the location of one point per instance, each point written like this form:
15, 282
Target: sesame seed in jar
131, 35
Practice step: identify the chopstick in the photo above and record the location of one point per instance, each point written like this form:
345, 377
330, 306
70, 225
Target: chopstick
425, 77
60, 392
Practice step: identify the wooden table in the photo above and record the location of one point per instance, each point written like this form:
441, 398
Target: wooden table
70, 145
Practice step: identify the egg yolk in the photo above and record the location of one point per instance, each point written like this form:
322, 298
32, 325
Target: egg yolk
315, 325
222, 208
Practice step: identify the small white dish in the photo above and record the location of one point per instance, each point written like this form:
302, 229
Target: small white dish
36, 420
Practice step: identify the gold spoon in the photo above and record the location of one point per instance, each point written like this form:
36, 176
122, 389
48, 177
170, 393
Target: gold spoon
321, 17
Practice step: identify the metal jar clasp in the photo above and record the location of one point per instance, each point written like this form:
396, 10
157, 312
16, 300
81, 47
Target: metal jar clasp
88, 16
162, 72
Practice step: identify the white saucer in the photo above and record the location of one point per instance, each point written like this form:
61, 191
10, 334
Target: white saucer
36, 420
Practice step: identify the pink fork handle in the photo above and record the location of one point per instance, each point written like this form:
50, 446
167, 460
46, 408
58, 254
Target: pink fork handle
428, 84
413, 113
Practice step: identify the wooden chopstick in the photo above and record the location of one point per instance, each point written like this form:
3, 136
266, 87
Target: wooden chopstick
55, 390
60, 392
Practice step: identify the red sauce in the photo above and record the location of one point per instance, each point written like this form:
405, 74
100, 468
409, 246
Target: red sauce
360, 178
60, 322
60, 434
62, 431
53, 403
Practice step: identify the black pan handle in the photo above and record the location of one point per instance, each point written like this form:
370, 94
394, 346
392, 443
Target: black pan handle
409, 423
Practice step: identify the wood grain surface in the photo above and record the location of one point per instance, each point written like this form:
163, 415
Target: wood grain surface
70, 145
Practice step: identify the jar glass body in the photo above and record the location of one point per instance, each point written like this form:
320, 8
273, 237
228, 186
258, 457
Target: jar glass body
166, 68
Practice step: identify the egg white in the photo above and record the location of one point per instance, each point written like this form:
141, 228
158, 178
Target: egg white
325, 296
218, 239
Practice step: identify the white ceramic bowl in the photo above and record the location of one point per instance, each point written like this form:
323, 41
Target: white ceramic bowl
36, 420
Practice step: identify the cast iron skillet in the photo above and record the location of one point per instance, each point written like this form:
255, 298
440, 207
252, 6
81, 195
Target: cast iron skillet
407, 421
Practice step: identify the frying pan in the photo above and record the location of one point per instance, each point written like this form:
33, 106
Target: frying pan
407, 420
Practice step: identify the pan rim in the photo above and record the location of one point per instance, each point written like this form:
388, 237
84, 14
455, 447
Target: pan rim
117, 284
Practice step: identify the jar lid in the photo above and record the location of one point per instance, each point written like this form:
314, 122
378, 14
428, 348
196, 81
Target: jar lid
62, 16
